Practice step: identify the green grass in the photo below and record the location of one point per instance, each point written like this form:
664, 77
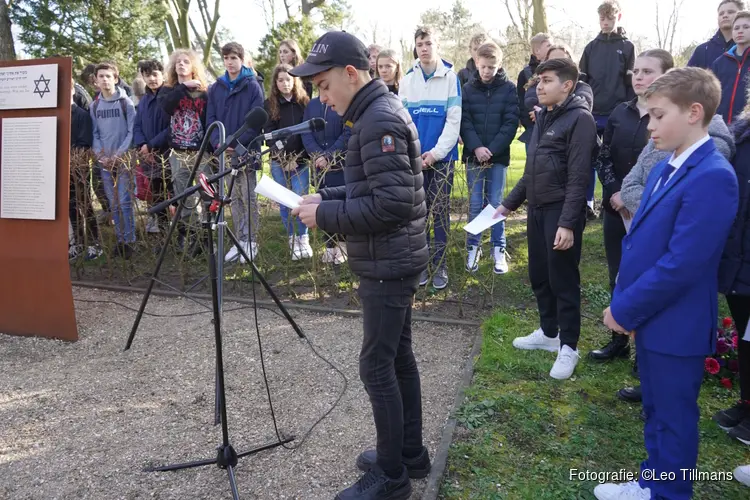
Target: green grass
520, 432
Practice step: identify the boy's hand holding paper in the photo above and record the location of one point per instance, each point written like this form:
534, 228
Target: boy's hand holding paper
278, 193
485, 219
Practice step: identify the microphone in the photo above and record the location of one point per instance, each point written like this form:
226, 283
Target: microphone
313, 125
255, 119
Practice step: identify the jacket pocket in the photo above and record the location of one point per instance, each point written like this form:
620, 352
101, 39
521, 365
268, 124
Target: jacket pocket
559, 173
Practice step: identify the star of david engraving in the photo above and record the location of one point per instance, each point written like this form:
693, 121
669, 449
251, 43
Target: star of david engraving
38, 83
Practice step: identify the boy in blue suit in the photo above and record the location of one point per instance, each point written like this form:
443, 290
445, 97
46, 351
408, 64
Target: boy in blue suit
233, 95
666, 292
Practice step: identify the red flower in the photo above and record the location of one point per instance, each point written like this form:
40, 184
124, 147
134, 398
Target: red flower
726, 322
726, 383
735, 339
712, 366
734, 366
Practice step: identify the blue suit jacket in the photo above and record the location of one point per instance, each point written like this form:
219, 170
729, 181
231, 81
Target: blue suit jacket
667, 289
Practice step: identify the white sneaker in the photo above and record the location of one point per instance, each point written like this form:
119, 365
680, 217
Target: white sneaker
151, 225
329, 256
93, 252
501, 262
341, 255
250, 248
472, 260
537, 340
742, 474
305, 249
74, 251
565, 364
294, 246
622, 491
232, 254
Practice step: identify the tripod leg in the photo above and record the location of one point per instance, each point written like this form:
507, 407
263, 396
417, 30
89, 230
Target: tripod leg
152, 281
233, 483
268, 288
186, 465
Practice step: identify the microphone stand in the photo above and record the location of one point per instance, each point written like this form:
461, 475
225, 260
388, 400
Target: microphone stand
226, 458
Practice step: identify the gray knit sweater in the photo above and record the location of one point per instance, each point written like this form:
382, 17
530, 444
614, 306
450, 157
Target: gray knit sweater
634, 183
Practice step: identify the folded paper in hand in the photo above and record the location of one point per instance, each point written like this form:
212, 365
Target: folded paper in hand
483, 221
278, 193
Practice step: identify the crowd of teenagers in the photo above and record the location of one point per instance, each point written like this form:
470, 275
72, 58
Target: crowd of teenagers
661, 140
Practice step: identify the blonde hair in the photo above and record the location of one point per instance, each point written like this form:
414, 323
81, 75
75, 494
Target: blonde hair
687, 86
199, 73
294, 47
390, 54
539, 39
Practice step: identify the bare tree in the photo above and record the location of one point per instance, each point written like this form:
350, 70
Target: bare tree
540, 17
520, 17
269, 12
7, 47
666, 28
184, 33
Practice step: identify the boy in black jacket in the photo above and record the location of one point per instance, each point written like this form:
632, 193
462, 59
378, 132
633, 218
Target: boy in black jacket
554, 183
608, 62
488, 125
80, 209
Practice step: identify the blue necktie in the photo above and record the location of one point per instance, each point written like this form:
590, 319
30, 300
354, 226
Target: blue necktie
668, 170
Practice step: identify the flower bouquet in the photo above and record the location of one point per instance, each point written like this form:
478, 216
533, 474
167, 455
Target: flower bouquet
723, 366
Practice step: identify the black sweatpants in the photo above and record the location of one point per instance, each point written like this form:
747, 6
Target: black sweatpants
389, 371
614, 232
554, 274
739, 306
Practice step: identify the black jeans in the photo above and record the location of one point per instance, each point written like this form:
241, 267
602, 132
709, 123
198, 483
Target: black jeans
388, 369
554, 274
614, 232
739, 306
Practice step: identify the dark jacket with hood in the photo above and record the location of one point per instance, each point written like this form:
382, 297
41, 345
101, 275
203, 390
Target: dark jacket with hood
582, 89
230, 100
381, 209
467, 73
151, 123
188, 111
706, 53
290, 113
625, 137
489, 117
731, 70
734, 270
523, 78
558, 166
331, 142
81, 128
607, 61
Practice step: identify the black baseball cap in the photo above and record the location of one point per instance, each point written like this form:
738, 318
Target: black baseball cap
335, 49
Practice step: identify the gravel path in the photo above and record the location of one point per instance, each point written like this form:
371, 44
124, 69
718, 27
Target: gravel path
81, 420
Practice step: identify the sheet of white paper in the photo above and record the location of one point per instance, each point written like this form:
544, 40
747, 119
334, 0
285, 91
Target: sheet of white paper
746, 336
28, 87
278, 193
28, 168
483, 221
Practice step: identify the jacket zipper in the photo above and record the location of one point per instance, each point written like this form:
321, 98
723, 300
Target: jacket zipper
489, 96
736, 82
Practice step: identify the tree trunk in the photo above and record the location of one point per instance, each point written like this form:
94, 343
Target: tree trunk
7, 48
540, 17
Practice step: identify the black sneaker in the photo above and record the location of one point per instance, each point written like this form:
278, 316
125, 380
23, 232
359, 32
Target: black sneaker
376, 485
728, 419
418, 467
618, 347
630, 394
741, 431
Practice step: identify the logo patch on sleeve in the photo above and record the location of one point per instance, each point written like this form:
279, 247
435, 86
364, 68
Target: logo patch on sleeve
387, 144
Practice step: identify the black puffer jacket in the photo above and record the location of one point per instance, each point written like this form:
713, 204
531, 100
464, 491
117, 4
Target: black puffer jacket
467, 73
734, 270
625, 137
489, 117
381, 209
559, 162
524, 76
290, 113
607, 60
